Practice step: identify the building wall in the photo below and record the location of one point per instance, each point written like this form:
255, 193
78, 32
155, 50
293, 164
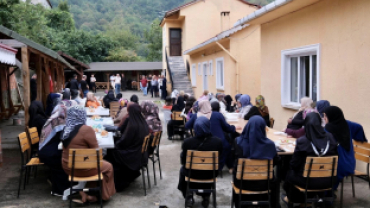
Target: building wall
44, 3
342, 28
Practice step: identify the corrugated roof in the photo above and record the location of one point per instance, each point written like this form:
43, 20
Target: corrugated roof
124, 66
34, 45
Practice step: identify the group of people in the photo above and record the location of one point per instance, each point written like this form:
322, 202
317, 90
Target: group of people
156, 85
64, 120
320, 129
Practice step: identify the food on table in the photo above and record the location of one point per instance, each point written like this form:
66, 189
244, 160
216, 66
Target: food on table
104, 133
96, 117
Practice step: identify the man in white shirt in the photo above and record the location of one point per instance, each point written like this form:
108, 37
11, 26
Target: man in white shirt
112, 80
117, 82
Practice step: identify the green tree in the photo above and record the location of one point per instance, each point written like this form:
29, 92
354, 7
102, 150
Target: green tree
154, 38
6, 12
63, 6
123, 55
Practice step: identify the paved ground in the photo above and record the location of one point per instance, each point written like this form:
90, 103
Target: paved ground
37, 193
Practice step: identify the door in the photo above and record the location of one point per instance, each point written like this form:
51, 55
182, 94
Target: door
175, 42
205, 78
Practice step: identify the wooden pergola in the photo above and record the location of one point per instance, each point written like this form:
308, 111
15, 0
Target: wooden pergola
78, 65
46, 63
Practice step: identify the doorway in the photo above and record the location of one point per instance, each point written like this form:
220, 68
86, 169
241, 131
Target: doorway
205, 77
175, 42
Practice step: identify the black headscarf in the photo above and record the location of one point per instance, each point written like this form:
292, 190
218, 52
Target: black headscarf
180, 104
338, 126
119, 96
50, 103
135, 99
228, 100
315, 132
109, 98
215, 106
189, 104
37, 116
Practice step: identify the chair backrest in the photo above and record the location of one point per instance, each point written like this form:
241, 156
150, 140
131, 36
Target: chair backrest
176, 116
362, 151
145, 144
253, 169
272, 122
34, 135
319, 167
156, 138
201, 160
113, 108
23, 142
85, 158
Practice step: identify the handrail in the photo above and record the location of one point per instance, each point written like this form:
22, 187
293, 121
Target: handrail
169, 69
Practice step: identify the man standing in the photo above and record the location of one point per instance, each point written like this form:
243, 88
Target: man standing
150, 90
164, 88
118, 84
123, 82
84, 86
33, 87
112, 79
73, 85
143, 85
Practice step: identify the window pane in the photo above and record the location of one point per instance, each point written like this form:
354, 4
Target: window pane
294, 79
304, 77
314, 78
222, 76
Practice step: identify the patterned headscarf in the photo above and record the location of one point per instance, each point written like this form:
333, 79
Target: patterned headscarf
245, 100
260, 102
76, 116
122, 103
150, 112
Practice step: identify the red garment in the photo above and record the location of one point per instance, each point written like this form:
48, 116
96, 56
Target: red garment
144, 82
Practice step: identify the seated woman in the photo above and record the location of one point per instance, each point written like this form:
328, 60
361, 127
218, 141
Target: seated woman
315, 143
109, 98
229, 104
77, 135
50, 103
67, 98
188, 106
178, 107
220, 129
260, 109
220, 97
295, 124
48, 149
204, 96
204, 109
320, 108
126, 158
122, 111
246, 105
135, 99
253, 144
91, 100
37, 116
150, 112
337, 125
203, 141
237, 105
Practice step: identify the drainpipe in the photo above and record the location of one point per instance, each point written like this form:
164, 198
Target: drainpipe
236, 62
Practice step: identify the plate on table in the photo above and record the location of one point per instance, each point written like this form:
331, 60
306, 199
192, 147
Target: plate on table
104, 134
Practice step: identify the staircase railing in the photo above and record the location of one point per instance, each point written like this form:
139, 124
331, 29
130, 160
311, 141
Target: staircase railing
169, 68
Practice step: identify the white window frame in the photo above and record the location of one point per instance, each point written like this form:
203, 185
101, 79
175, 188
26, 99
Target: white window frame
210, 65
199, 69
286, 72
218, 85
194, 75
205, 75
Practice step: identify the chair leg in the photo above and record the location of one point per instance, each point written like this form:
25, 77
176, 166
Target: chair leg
232, 199
214, 196
25, 178
353, 187
147, 174
35, 171
155, 179
341, 194
142, 174
100, 192
20, 182
160, 170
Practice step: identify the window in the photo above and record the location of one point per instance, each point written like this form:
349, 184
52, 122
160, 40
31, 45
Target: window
210, 68
300, 75
194, 75
220, 73
199, 69
205, 68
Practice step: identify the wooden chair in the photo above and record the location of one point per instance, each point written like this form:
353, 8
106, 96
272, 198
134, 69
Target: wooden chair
272, 122
251, 170
26, 162
176, 116
202, 160
33, 138
362, 153
144, 166
155, 156
113, 108
80, 159
319, 167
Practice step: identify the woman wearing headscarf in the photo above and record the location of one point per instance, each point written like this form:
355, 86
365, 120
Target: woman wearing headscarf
48, 149
178, 107
67, 98
203, 141
253, 144
122, 111
50, 103
211, 97
204, 96
337, 125
180, 104
219, 127
220, 97
315, 143
296, 123
188, 106
109, 98
77, 135
237, 105
135, 99
204, 109
91, 100
126, 157
37, 116
260, 109
150, 112
229, 100
245, 104
320, 108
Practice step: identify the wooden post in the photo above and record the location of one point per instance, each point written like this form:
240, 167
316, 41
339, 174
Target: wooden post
63, 78
39, 77
108, 82
26, 83
46, 88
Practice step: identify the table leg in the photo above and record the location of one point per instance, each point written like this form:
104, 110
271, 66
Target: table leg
66, 193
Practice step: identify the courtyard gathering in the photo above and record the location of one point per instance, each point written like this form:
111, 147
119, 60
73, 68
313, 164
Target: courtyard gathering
245, 105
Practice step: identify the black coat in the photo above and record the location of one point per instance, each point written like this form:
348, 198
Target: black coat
73, 84
33, 88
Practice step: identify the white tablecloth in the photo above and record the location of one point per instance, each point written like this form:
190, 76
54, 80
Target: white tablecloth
100, 111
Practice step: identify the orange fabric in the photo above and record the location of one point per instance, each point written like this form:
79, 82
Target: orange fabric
95, 104
168, 107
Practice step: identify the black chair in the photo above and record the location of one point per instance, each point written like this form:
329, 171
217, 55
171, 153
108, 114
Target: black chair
154, 157
249, 170
202, 160
144, 161
85, 159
